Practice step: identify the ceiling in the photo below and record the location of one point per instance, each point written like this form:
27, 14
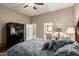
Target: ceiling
48, 7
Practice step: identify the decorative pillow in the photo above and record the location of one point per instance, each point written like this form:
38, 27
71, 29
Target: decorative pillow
51, 44
46, 45
59, 43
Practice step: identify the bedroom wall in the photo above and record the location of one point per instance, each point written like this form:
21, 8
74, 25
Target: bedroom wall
76, 13
10, 15
61, 18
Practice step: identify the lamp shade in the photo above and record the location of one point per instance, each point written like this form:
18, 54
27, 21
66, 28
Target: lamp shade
70, 30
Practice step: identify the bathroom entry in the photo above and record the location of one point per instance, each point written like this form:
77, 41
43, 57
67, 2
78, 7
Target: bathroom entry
30, 31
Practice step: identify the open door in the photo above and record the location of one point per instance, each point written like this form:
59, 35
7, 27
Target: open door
30, 31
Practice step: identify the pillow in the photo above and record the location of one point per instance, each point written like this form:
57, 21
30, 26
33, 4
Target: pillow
45, 46
59, 43
51, 44
48, 45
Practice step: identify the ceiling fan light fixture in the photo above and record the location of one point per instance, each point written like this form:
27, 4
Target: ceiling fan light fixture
31, 5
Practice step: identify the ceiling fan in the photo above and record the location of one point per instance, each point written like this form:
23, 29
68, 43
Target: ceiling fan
33, 5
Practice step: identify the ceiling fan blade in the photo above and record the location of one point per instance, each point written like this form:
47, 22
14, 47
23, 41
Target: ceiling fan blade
26, 6
34, 8
39, 3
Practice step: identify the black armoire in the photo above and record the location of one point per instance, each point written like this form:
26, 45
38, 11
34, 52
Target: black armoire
14, 34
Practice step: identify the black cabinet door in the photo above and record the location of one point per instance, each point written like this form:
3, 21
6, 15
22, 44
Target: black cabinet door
14, 34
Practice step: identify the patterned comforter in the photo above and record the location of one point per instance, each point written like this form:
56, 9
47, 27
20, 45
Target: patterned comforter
40, 47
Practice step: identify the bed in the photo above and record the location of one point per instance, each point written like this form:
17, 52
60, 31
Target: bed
41, 47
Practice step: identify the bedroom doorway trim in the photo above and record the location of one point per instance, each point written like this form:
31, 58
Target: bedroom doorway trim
48, 28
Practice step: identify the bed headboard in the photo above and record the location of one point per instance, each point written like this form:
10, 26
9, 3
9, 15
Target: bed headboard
77, 32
